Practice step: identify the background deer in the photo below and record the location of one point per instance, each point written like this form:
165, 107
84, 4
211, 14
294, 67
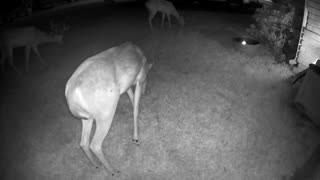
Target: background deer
94, 89
29, 37
166, 8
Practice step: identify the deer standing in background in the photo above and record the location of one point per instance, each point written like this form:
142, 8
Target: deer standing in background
29, 37
94, 89
166, 8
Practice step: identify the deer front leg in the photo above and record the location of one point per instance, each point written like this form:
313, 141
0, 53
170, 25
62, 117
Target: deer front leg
137, 95
130, 94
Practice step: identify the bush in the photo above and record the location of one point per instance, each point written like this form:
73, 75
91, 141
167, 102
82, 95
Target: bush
273, 24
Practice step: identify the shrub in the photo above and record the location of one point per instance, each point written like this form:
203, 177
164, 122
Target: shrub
273, 24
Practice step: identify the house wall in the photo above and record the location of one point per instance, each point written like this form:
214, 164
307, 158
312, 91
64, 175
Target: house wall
309, 47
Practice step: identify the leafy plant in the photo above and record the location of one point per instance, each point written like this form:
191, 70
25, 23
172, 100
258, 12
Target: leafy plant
272, 25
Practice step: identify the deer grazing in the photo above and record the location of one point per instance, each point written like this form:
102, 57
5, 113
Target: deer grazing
29, 37
94, 89
166, 8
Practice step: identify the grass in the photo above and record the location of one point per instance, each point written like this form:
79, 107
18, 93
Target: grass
220, 114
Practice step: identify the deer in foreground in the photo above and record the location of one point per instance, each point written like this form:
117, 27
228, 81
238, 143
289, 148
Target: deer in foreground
29, 37
94, 89
166, 8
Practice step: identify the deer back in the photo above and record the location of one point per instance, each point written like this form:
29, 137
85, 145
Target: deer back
167, 7
115, 69
42, 37
27, 36
15, 37
160, 5
120, 66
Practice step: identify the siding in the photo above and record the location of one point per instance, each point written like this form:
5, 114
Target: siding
309, 46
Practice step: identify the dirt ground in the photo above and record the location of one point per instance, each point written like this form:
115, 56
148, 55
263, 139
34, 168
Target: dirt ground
210, 112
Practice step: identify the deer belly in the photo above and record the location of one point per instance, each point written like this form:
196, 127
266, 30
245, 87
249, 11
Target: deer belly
125, 83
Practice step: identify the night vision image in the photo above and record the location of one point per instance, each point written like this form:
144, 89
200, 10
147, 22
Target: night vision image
160, 89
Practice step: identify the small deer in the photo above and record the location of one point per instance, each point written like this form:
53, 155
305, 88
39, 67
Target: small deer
166, 8
29, 37
94, 89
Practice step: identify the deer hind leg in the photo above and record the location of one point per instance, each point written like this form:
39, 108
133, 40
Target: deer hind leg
85, 138
137, 95
103, 122
35, 49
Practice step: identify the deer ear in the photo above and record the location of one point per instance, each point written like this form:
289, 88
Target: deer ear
150, 66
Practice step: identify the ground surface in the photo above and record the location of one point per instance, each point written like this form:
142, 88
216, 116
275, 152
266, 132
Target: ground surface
210, 112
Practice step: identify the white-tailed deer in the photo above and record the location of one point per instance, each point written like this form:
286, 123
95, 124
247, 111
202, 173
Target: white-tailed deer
166, 8
29, 37
94, 89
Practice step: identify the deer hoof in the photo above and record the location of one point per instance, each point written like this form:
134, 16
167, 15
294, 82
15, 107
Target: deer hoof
116, 174
136, 141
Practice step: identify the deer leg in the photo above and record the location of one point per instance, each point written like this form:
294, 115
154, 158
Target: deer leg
35, 49
162, 20
103, 123
85, 136
144, 89
181, 21
137, 95
27, 54
3, 60
169, 20
10, 54
151, 16
130, 94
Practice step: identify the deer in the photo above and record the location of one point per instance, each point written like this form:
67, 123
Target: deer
93, 91
29, 37
166, 8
